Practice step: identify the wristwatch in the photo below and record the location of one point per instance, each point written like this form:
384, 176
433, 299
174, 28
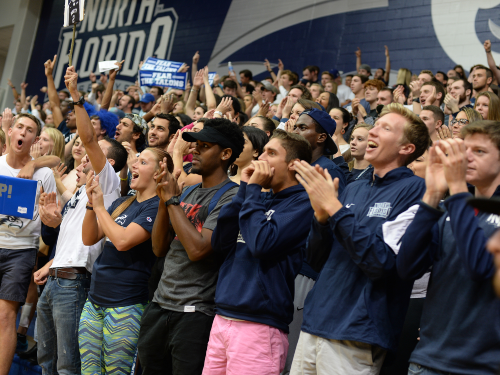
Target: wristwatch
174, 200
79, 102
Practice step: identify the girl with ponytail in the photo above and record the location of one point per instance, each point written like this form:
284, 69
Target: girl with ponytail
119, 287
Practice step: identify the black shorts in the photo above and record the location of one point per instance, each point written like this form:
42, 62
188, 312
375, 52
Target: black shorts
16, 268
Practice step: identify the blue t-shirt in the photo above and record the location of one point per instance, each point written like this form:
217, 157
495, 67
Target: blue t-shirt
120, 278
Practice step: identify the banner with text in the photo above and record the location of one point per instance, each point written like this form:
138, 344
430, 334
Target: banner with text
172, 80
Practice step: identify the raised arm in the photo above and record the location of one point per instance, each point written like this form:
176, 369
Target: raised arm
106, 99
194, 65
83, 124
270, 70
7, 120
491, 60
387, 66
55, 104
210, 101
14, 91
191, 102
358, 59
23, 93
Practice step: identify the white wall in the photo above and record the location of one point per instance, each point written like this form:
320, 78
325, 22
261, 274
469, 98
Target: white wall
23, 15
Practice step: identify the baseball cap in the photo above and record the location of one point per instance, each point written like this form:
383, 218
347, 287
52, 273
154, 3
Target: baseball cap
335, 73
269, 87
329, 126
212, 135
147, 98
489, 205
366, 67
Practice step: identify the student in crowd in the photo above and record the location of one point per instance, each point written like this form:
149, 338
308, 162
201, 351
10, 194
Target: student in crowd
286, 80
342, 118
317, 127
316, 89
51, 143
185, 294
372, 88
162, 130
458, 96
464, 117
311, 73
385, 96
132, 129
359, 168
347, 241
404, 79
119, 286
488, 105
19, 237
482, 78
328, 100
255, 140
67, 276
300, 106
456, 334
344, 92
263, 123
430, 93
78, 152
358, 89
433, 118
251, 325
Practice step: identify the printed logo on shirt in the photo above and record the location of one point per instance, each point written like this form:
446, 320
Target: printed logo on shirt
73, 201
192, 212
240, 238
149, 219
121, 219
380, 210
13, 223
493, 220
269, 214
350, 205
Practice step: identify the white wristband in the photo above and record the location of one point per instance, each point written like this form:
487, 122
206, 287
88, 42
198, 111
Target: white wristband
219, 113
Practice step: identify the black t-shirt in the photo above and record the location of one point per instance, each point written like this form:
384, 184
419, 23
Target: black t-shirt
120, 278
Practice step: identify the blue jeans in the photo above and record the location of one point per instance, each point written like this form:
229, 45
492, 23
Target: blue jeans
59, 309
415, 369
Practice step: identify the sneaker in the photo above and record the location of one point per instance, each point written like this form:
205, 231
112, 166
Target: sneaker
31, 355
22, 343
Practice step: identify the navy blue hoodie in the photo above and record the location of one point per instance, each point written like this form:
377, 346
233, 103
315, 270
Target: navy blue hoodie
460, 329
263, 237
358, 295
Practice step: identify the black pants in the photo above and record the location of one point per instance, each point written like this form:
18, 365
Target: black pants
155, 277
173, 342
397, 363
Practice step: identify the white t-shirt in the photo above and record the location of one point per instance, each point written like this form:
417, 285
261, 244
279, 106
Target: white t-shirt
70, 251
17, 233
344, 93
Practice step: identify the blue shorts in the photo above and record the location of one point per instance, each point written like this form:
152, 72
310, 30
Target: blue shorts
16, 268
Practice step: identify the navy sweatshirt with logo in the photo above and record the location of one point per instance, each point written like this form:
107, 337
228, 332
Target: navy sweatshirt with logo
262, 237
358, 295
460, 325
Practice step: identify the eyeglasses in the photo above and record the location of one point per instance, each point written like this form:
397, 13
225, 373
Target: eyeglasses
462, 122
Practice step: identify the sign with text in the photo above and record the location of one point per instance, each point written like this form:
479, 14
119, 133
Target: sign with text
158, 65
73, 12
172, 80
211, 77
18, 197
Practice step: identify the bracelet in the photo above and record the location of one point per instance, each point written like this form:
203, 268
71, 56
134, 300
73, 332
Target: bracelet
89, 207
123, 179
219, 113
194, 89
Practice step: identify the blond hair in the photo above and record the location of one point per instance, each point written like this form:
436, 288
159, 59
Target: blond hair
404, 77
493, 107
58, 139
415, 132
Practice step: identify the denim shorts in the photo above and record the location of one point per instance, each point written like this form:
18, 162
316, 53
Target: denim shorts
16, 268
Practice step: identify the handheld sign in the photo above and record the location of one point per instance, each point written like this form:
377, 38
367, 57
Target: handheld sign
173, 80
18, 197
157, 65
73, 13
105, 66
211, 77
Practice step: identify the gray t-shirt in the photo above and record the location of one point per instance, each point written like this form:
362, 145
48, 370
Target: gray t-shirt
187, 286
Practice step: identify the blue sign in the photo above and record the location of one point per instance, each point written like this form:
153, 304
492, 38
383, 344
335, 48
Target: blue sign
172, 80
18, 197
211, 77
158, 65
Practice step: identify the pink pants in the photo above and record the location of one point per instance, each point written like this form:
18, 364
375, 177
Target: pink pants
245, 348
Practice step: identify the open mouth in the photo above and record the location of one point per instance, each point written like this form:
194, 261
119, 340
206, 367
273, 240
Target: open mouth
372, 145
117, 134
152, 140
135, 175
20, 142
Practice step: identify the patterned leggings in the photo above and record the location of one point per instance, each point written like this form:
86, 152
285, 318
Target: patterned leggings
108, 338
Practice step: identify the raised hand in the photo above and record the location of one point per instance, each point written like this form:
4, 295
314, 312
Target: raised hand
97, 194
358, 52
167, 185
35, 150
443, 132
487, 46
7, 119
183, 69
181, 146
50, 210
209, 114
355, 106
70, 80
263, 109
131, 156
415, 87
92, 77
386, 51
399, 96
453, 155
267, 64
452, 103
49, 66
287, 109
198, 78
281, 66
89, 186
196, 57
263, 173
9, 82
257, 96
58, 172
114, 72
225, 105
23, 85
167, 104
435, 181
290, 125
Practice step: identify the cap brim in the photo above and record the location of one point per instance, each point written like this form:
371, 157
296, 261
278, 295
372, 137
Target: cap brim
193, 137
490, 205
330, 146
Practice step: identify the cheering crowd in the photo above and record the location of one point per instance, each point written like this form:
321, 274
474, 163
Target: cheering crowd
302, 224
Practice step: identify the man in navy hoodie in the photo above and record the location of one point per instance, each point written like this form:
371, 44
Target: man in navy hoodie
459, 331
262, 237
356, 309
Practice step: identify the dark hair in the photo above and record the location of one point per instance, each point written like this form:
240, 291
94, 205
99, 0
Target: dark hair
132, 100
160, 89
306, 94
363, 78
489, 73
248, 88
467, 84
346, 115
242, 119
32, 118
269, 125
461, 75
232, 132
443, 73
333, 101
296, 146
100, 88
247, 73
312, 68
439, 89
236, 103
185, 119
230, 84
173, 123
390, 89
486, 127
349, 75
257, 137
436, 112
70, 160
117, 153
